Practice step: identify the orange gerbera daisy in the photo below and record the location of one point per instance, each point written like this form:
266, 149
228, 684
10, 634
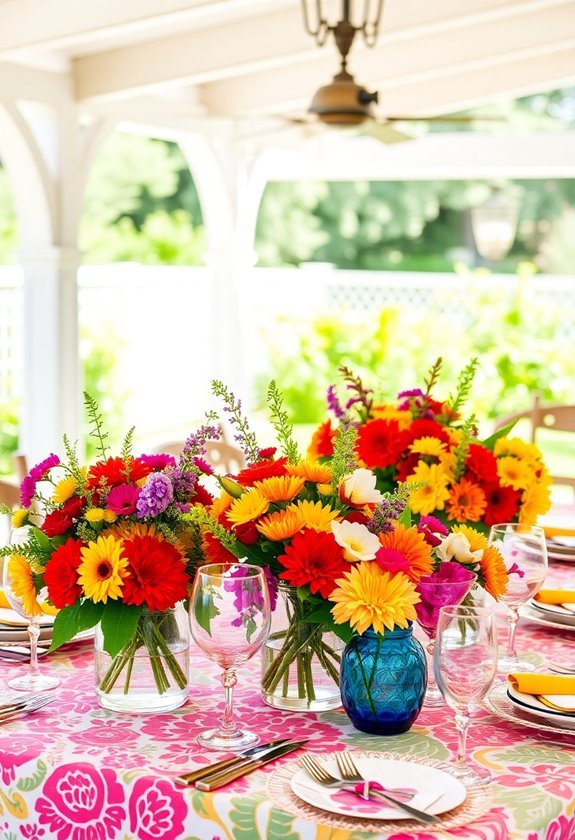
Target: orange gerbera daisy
412, 545
321, 445
467, 502
491, 564
316, 516
281, 525
311, 471
281, 488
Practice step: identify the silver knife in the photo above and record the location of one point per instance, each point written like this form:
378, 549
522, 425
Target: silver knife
258, 751
247, 766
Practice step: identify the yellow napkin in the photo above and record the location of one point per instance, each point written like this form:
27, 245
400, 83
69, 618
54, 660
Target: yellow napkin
556, 596
558, 531
4, 603
47, 609
542, 683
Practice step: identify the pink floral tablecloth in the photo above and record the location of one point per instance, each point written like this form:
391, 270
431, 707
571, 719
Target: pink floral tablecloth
74, 771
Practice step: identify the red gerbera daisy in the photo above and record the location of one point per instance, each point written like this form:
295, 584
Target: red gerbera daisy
261, 470
321, 445
201, 496
407, 465
73, 506
56, 523
482, 463
313, 558
113, 471
502, 504
60, 575
379, 443
423, 428
157, 576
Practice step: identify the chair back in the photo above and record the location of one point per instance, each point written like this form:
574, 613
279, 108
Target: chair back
555, 417
222, 456
20, 466
9, 493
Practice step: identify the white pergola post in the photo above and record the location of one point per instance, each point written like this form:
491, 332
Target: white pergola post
41, 149
229, 198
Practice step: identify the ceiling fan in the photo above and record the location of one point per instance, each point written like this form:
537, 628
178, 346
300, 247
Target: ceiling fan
343, 102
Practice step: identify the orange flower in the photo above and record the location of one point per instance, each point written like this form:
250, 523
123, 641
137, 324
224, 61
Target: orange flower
281, 525
412, 544
467, 502
311, 471
280, 488
492, 565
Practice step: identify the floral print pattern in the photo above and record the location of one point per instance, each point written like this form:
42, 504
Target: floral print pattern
74, 771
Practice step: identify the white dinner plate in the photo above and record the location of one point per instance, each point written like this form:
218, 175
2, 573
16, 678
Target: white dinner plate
529, 704
435, 790
544, 619
557, 612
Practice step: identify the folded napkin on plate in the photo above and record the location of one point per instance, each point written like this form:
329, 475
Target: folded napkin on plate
556, 596
542, 683
558, 531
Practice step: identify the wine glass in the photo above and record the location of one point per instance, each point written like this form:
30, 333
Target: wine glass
524, 553
446, 587
465, 664
230, 620
19, 590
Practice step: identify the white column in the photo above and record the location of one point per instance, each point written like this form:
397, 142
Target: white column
52, 394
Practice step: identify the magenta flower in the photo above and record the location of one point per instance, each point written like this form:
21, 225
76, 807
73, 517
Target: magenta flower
430, 527
122, 499
391, 560
158, 462
448, 572
203, 466
36, 474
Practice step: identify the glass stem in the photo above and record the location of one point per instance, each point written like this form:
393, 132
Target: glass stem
431, 681
33, 634
512, 620
462, 723
229, 679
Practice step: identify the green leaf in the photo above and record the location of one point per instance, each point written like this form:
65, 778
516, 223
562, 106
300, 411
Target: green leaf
29, 783
532, 808
65, 626
42, 540
490, 442
119, 622
205, 610
405, 518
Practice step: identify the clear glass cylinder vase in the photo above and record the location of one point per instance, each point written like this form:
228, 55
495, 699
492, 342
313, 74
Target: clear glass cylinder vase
383, 681
151, 672
300, 659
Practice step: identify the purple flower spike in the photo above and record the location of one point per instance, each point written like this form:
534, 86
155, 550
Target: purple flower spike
155, 496
333, 404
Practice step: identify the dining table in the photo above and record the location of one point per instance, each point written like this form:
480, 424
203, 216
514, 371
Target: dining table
76, 771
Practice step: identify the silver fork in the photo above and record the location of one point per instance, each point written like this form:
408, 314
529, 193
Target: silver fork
323, 777
17, 708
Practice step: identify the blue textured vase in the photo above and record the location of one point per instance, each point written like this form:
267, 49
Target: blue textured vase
383, 681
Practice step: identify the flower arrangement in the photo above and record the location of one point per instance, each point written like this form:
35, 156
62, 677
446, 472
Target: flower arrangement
110, 544
423, 441
348, 552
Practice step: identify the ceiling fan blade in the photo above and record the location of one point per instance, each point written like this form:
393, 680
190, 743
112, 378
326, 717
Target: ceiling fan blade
447, 118
384, 132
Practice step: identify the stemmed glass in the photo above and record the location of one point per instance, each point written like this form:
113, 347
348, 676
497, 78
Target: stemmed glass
524, 552
465, 665
19, 590
447, 588
230, 620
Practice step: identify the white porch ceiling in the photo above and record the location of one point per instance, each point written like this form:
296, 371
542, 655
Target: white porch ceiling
241, 58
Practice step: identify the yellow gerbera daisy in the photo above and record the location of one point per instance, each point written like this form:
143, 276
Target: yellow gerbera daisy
311, 471
221, 504
249, 506
103, 569
19, 517
94, 515
65, 489
282, 524
428, 446
433, 492
281, 488
315, 515
518, 448
514, 473
22, 584
535, 501
367, 598
447, 463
